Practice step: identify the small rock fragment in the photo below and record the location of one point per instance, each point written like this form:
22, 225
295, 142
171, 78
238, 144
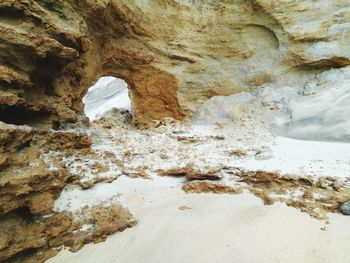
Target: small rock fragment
206, 186
345, 208
183, 208
194, 173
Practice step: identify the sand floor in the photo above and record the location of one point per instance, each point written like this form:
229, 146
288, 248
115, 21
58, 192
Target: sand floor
216, 228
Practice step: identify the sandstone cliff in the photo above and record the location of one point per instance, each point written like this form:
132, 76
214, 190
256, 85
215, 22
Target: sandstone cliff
174, 55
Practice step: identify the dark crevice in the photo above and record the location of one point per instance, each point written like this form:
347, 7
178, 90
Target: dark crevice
45, 72
25, 214
65, 41
56, 125
6, 85
20, 257
21, 115
24, 145
13, 15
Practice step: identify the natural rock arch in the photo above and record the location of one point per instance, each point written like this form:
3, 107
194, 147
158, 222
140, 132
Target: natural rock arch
174, 54
106, 94
58, 51
153, 94
51, 51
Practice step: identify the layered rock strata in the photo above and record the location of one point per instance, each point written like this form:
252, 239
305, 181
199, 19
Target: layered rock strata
52, 51
29, 185
174, 54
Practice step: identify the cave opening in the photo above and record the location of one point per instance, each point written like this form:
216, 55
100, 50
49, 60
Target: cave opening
106, 94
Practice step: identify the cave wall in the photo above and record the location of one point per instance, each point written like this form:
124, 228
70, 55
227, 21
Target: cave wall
174, 54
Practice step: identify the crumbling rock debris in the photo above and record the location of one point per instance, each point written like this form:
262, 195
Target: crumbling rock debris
137, 174
206, 186
238, 153
193, 173
26, 180
314, 196
176, 171
90, 183
36, 168
184, 208
195, 139
26, 238
52, 51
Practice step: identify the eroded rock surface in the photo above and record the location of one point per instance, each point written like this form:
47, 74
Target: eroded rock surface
171, 62
25, 239
29, 185
26, 180
206, 186
193, 173
314, 196
173, 54
317, 185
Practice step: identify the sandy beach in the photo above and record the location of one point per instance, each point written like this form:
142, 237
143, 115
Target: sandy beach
178, 227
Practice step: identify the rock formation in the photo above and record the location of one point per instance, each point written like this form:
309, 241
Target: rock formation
24, 240
193, 173
51, 51
174, 54
207, 186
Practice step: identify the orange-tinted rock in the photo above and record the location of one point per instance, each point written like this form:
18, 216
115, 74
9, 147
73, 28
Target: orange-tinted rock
171, 62
27, 240
194, 173
206, 186
316, 197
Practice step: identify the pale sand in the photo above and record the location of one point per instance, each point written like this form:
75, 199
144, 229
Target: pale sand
217, 228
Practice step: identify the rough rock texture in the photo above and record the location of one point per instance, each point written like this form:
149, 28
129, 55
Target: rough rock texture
314, 196
51, 51
193, 173
30, 182
29, 185
174, 54
345, 208
26, 180
206, 186
34, 240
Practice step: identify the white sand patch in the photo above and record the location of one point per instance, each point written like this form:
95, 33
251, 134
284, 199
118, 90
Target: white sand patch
298, 157
216, 228
74, 198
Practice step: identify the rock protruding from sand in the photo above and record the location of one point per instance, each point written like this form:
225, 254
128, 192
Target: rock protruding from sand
345, 208
206, 186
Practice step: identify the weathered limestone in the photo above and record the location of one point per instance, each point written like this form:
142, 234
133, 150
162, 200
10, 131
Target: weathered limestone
35, 240
174, 54
51, 51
